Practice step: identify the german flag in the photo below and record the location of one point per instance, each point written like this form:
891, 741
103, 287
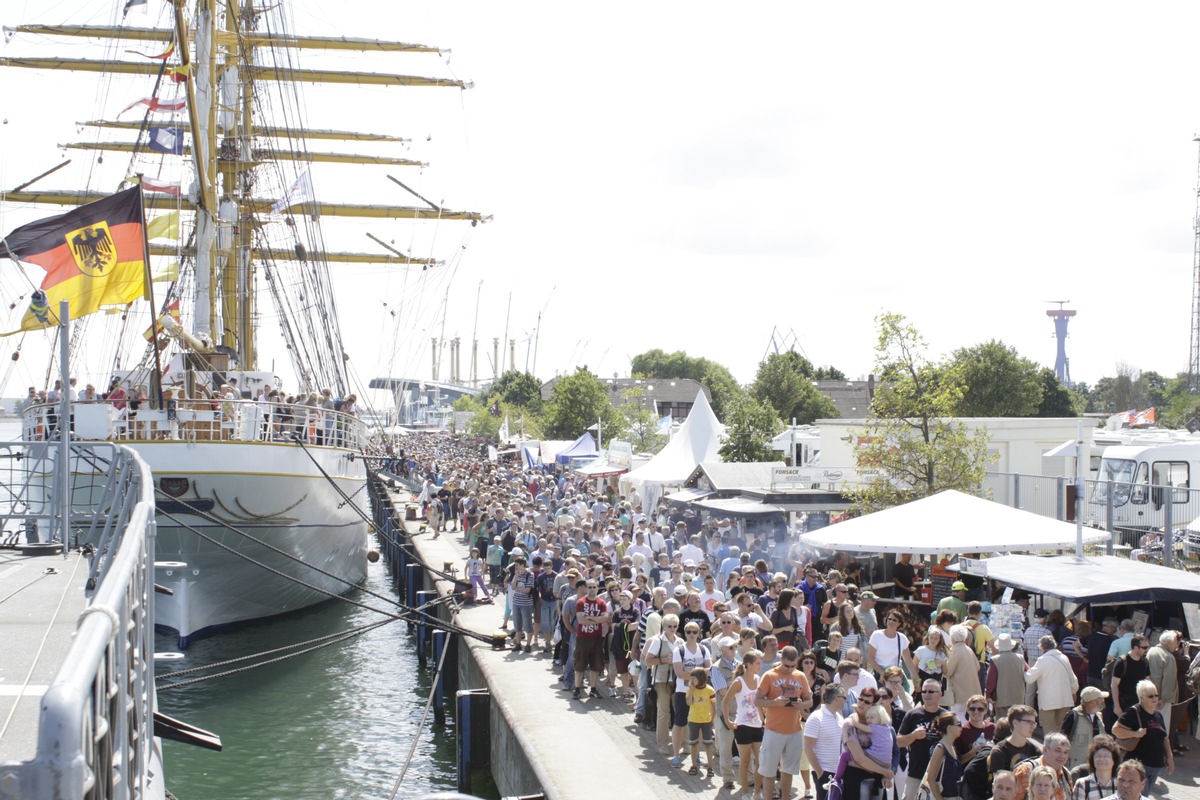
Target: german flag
94, 256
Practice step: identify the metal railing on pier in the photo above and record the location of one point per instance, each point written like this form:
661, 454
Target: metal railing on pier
95, 735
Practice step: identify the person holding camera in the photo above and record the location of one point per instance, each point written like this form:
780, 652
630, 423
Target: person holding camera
783, 696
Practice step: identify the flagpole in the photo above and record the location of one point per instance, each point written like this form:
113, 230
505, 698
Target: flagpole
156, 389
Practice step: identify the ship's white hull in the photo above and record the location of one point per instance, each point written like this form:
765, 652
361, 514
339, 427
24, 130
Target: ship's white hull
217, 498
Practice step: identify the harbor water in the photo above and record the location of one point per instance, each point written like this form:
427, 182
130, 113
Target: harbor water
334, 723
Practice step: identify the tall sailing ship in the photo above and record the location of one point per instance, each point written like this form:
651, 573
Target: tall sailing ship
260, 487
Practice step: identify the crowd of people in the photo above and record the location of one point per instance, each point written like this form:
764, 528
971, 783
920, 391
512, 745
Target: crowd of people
756, 662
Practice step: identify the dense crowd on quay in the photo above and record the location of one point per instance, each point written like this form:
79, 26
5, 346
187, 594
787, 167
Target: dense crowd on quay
756, 662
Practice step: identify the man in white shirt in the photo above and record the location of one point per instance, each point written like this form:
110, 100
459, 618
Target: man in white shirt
657, 542
823, 735
639, 546
692, 552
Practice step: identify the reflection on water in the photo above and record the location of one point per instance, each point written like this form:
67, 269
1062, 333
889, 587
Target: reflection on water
333, 723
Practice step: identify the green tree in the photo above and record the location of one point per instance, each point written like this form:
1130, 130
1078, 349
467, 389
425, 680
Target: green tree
641, 423
829, 374
517, 388
751, 426
485, 424
781, 384
912, 444
580, 400
996, 381
1057, 400
720, 382
1129, 388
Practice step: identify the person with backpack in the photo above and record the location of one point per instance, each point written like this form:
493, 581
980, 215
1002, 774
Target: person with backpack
657, 656
981, 638
1083, 724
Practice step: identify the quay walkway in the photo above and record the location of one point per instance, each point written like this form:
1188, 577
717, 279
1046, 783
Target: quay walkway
584, 749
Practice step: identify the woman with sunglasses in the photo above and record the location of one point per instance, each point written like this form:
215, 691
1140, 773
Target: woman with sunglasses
978, 730
742, 715
860, 741
657, 657
686, 658
888, 647
1143, 734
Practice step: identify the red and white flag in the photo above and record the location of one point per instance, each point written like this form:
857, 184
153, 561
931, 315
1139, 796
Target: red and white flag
151, 185
155, 104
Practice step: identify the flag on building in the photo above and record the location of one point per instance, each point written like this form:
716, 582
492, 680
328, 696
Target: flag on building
172, 312
299, 192
167, 140
155, 104
93, 256
504, 430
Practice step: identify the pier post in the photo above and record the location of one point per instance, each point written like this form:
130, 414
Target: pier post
473, 707
412, 584
423, 629
440, 643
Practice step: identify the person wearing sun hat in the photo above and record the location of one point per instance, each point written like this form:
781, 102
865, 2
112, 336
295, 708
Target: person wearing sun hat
956, 601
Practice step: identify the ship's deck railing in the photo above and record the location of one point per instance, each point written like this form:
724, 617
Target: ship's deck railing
200, 420
96, 726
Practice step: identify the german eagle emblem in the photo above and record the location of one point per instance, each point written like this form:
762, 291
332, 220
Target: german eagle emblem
93, 248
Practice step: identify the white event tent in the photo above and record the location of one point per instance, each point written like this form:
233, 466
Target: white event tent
950, 522
698, 440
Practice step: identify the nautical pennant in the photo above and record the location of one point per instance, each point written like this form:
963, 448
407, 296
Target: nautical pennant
159, 187
167, 140
164, 227
155, 104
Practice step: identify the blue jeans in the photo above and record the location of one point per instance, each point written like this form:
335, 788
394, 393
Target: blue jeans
643, 687
568, 676
1152, 774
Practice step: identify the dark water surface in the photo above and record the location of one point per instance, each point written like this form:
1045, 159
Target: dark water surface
334, 723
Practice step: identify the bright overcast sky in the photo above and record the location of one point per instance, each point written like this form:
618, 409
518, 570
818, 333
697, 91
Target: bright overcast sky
688, 178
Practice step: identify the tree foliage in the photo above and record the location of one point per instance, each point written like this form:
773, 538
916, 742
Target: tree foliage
719, 380
912, 444
784, 383
1057, 400
996, 381
641, 423
749, 430
517, 388
580, 400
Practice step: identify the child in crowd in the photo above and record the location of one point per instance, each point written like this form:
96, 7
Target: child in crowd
877, 722
700, 702
475, 574
495, 558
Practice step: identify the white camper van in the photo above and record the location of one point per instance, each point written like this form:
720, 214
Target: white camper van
1143, 479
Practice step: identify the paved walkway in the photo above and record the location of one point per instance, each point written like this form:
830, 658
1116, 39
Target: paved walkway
573, 744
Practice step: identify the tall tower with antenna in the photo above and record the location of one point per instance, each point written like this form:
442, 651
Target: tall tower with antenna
1194, 355
1061, 316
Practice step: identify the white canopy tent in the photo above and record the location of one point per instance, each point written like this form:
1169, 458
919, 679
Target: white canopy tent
950, 522
1095, 579
698, 440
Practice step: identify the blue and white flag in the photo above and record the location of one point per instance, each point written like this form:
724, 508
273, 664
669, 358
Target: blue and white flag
167, 140
664, 425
